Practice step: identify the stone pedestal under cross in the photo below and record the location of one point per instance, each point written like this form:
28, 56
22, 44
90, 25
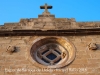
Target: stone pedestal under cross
46, 7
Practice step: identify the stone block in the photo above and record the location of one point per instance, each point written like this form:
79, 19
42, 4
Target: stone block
13, 42
49, 27
5, 41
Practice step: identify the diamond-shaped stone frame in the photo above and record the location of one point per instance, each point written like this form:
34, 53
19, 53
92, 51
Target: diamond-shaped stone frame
51, 50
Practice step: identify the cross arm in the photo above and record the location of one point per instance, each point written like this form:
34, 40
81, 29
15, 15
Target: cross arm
48, 7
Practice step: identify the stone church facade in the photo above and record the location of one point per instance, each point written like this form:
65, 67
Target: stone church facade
50, 46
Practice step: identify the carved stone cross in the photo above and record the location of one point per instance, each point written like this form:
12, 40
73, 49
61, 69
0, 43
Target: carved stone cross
46, 7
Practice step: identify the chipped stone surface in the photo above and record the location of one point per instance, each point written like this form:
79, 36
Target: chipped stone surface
49, 23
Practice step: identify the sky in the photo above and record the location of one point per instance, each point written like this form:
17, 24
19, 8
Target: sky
82, 10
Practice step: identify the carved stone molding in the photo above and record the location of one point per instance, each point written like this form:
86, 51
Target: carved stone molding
51, 52
12, 49
92, 46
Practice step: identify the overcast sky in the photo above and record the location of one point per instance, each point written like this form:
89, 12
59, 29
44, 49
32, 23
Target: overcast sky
81, 10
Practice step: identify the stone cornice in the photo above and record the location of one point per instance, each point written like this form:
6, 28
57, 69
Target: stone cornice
69, 32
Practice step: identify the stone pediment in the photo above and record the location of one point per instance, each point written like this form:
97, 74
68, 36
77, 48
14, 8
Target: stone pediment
44, 23
47, 21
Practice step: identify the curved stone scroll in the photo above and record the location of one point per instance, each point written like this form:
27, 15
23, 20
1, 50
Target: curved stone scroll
12, 49
93, 46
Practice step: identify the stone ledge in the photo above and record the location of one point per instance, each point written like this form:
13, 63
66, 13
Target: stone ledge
46, 16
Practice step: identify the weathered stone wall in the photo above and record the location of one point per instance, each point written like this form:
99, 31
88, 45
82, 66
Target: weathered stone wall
14, 58
87, 62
